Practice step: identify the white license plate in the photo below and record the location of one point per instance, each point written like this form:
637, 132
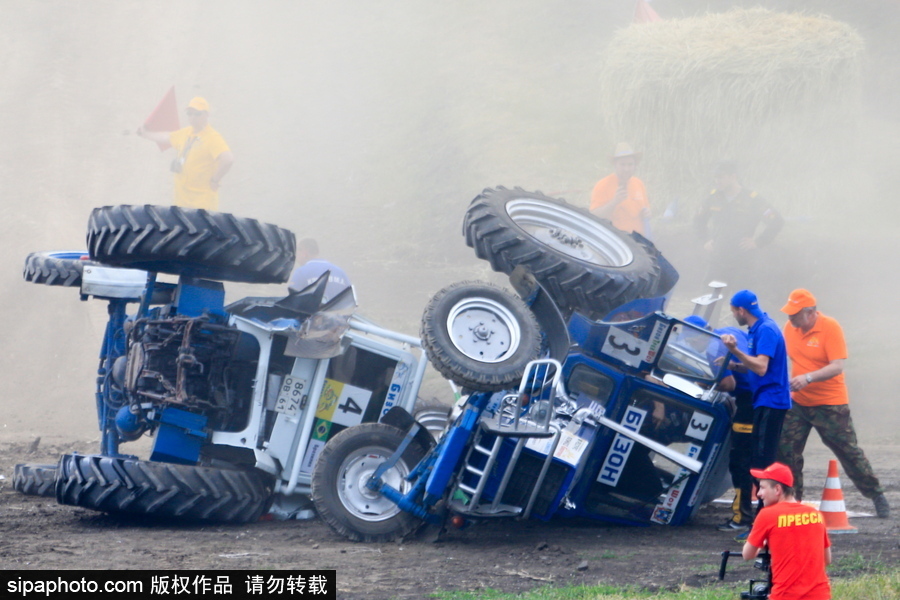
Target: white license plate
291, 396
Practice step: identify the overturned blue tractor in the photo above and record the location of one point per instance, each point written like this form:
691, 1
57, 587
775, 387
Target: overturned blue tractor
582, 398
579, 395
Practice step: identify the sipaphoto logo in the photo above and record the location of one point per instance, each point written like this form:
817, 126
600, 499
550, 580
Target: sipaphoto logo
25, 587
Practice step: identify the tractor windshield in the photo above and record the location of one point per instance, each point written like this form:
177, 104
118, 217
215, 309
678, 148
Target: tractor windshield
693, 353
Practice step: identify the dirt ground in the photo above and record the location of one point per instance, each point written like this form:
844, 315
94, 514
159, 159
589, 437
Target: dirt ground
510, 556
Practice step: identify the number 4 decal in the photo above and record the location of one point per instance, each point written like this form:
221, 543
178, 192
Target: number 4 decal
350, 406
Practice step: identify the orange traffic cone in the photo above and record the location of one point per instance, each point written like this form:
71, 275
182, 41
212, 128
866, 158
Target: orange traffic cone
832, 507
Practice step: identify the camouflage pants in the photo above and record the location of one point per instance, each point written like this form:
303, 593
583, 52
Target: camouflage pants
835, 427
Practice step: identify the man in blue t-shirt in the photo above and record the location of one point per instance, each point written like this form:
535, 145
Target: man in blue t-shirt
765, 362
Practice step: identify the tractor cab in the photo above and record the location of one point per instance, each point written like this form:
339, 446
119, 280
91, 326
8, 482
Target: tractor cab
638, 435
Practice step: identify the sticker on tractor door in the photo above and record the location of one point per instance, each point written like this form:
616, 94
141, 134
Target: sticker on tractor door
622, 345
291, 396
321, 430
320, 433
397, 382
701, 483
312, 455
569, 449
665, 510
659, 330
342, 403
698, 427
539, 445
621, 447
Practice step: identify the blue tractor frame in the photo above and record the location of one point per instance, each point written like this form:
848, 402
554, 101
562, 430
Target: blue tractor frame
578, 438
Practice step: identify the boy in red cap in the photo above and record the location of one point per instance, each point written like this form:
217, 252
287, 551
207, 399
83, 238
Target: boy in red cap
815, 344
795, 535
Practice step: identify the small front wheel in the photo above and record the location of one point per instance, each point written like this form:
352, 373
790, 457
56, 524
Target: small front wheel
35, 480
339, 479
56, 268
480, 336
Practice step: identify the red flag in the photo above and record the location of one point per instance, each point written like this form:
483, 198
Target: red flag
164, 117
644, 14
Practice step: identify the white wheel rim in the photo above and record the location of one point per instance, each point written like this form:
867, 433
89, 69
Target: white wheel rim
358, 499
483, 330
435, 421
569, 232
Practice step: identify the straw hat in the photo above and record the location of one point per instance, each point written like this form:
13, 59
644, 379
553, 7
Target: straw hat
624, 150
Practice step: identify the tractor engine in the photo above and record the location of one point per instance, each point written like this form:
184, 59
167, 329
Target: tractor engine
190, 363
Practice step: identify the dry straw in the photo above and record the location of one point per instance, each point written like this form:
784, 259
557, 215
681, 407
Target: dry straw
752, 85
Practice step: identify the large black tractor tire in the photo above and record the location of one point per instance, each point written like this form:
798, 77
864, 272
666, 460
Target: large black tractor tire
433, 415
35, 480
480, 336
340, 474
584, 263
55, 268
192, 242
162, 490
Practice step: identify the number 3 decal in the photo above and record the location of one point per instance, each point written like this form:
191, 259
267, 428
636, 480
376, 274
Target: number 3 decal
698, 428
623, 346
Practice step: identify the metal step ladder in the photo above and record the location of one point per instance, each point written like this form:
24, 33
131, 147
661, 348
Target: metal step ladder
509, 422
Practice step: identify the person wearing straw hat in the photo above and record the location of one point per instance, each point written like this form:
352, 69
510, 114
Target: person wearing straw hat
621, 197
203, 158
733, 222
816, 347
795, 535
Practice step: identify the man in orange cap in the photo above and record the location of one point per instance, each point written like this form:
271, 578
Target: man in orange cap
203, 158
795, 535
620, 196
816, 347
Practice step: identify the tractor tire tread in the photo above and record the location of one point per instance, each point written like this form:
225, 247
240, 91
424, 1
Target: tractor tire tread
163, 490
192, 242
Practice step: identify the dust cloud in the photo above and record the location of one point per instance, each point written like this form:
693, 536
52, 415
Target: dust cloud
371, 127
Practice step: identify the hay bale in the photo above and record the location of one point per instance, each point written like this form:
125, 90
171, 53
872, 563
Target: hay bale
750, 84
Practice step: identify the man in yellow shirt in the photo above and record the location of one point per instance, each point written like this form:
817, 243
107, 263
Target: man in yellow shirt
620, 196
203, 158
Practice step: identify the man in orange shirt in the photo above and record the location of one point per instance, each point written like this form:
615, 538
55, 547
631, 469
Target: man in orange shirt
621, 197
816, 347
795, 535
